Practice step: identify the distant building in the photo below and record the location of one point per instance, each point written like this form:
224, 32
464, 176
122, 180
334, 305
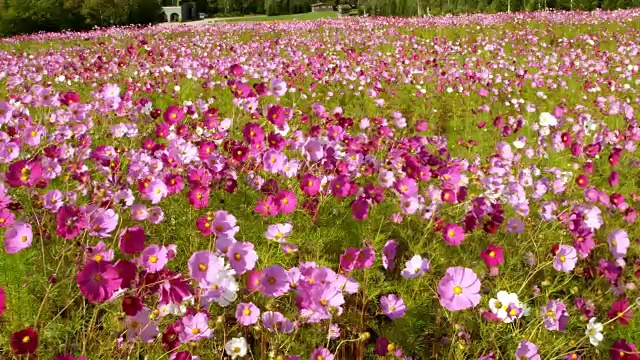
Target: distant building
322, 7
176, 10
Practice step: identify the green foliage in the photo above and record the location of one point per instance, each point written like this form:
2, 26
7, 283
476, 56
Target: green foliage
28, 16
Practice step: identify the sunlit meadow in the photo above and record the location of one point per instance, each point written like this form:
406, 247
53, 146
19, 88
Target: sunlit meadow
458, 187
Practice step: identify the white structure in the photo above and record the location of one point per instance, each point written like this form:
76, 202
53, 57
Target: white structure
173, 13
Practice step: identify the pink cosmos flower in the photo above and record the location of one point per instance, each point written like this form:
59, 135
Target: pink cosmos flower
247, 314
154, 258
139, 212
274, 281
18, 237
393, 306
618, 243
101, 222
203, 266
156, 215
459, 289
555, 316
242, 256
313, 150
276, 322
388, 254
156, 191
527, 351
406, 186
141, 326
195, 328
98, 280
99, 252
415, 267
341, 186
273, 161
278, 87
53, 200
321, 354
566, 258
278, 232
453, 234
267, 207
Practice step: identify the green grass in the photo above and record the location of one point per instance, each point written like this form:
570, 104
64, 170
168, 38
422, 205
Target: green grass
304, 16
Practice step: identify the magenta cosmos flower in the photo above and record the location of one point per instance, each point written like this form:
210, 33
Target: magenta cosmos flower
247, 314
393, 306
459, 289
132, 240
18, 237
98, 280
622, 350
286, 201
493, 256
309, 184
566, 258
453, 234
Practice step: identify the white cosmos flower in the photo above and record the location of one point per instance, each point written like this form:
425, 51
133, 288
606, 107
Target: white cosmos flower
500, 305
236, 347
546, 119
519, 143
594, 332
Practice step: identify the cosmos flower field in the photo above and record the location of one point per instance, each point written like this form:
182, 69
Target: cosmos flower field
460, 187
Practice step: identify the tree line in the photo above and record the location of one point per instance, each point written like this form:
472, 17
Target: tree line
28, 16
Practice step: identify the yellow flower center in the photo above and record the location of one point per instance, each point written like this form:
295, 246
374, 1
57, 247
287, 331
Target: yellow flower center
195, 331
236, 350
562, 258
492, 254
451, 233
237, 256
26, 339
457, 290
97, 257
247, 312
323, 302
153, 259
24, 238
202, 267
